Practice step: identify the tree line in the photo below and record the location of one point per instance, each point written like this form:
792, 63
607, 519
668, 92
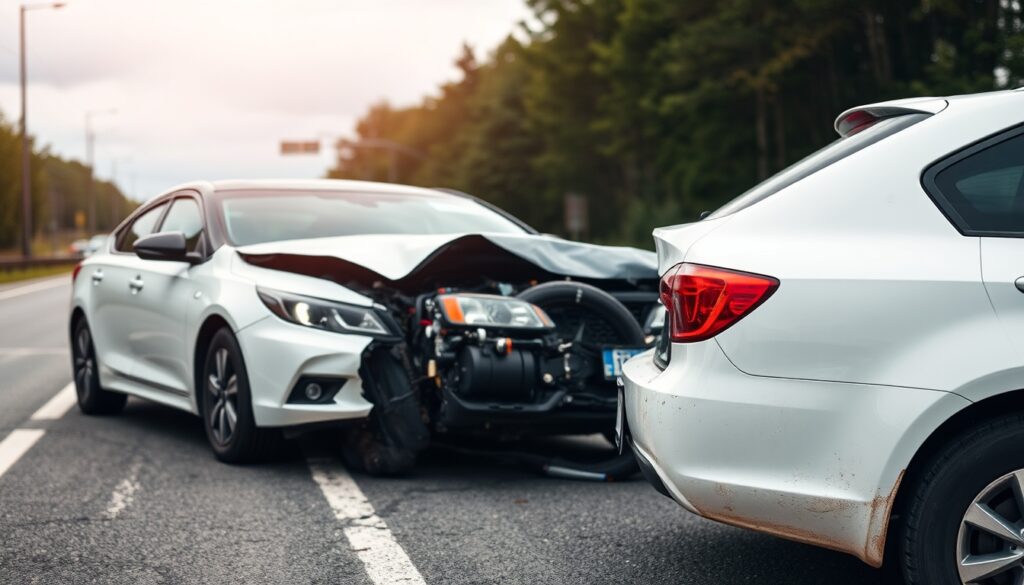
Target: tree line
60, 196
656, 110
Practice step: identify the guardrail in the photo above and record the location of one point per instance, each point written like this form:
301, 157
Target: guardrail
8, 264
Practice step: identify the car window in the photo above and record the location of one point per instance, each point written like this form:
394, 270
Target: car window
983, 192
142, 226
185, 217
831, 154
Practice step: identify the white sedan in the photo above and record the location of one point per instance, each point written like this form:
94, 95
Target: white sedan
397, 312
844, 360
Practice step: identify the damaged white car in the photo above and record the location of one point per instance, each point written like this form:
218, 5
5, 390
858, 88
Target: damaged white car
402, 313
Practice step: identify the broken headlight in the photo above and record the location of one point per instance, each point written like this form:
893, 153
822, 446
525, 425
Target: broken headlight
476, 310
324, 314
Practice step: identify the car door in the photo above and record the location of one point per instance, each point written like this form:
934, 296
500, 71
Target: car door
981, 190
161, 291
110, 307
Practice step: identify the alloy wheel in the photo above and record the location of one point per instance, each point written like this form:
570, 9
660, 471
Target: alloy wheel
85, 364
990, 545
222, 393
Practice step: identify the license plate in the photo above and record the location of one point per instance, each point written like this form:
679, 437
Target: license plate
613, 360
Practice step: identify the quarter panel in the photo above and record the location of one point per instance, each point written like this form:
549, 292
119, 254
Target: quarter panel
877, 287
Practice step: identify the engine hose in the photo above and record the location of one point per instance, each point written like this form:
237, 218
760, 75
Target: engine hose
616, 468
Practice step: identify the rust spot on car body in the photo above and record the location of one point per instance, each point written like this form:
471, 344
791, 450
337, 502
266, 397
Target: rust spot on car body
878, 526
781, 530
878, 511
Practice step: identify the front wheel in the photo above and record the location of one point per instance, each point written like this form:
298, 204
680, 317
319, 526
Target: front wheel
226, 405
966, 517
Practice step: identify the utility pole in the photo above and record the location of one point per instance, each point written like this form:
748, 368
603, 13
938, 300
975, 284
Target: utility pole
26, 151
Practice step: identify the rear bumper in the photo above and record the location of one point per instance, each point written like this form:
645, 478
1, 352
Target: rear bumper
817, 462
277, 354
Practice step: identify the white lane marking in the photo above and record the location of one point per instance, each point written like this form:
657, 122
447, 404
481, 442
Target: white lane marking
35, 287
124, 493
19, 441
23, 351
368, 535
57, 406
15, 445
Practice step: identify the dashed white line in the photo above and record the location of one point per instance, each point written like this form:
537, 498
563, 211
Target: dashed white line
19, 441
15, 445
35, 287
124, 493
57, 406
383, 558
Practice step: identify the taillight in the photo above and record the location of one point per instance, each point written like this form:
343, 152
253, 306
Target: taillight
74, 273
703, 301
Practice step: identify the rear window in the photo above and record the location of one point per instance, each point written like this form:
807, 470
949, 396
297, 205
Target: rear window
821, 159
981, 189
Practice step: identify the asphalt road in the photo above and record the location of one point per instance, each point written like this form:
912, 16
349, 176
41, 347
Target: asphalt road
138, 498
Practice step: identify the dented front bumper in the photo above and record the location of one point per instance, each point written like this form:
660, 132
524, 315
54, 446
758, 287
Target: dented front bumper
812, 461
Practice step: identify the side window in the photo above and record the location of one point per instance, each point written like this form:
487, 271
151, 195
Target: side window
982, 189
142, 226
185, 217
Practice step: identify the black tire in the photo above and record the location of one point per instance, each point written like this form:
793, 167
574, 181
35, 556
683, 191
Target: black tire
224, 395
92, 398
558, 296
948, 484
388, 442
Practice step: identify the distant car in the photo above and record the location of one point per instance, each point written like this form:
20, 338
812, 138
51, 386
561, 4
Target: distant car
94, 244
844, 361
78, 247
404, 313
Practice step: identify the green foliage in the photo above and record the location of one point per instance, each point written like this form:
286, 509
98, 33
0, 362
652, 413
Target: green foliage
59, 192
656, 110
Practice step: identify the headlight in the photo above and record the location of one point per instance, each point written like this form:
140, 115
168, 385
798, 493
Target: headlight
492, 311
322, 314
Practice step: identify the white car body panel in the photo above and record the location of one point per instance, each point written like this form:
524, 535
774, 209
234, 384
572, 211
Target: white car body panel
801, 418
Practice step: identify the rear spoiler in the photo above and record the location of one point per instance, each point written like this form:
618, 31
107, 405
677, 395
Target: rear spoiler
855, 119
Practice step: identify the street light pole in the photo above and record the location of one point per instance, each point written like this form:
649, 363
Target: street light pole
26, 152
90, 139
26, 155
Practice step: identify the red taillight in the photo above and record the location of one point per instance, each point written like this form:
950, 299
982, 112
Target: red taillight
702, 301
74, 273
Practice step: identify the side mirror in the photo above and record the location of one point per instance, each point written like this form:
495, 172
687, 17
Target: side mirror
170, 246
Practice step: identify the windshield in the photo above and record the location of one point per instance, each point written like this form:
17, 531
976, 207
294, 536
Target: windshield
254, 217
832, 153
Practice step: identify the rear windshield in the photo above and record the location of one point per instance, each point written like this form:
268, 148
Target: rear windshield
254, 217
832, 153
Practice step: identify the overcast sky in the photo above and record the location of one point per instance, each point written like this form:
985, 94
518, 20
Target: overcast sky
206, 88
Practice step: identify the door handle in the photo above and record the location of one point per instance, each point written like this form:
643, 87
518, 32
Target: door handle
136, 284
1019, 283
97, 276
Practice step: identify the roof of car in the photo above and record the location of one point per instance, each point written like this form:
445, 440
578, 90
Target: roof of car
318, 185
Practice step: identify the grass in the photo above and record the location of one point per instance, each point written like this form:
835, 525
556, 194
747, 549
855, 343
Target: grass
8, 276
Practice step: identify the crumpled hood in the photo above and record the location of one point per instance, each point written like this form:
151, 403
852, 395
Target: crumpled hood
413, 261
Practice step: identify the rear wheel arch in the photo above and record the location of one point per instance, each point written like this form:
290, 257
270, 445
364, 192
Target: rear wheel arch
961, 422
